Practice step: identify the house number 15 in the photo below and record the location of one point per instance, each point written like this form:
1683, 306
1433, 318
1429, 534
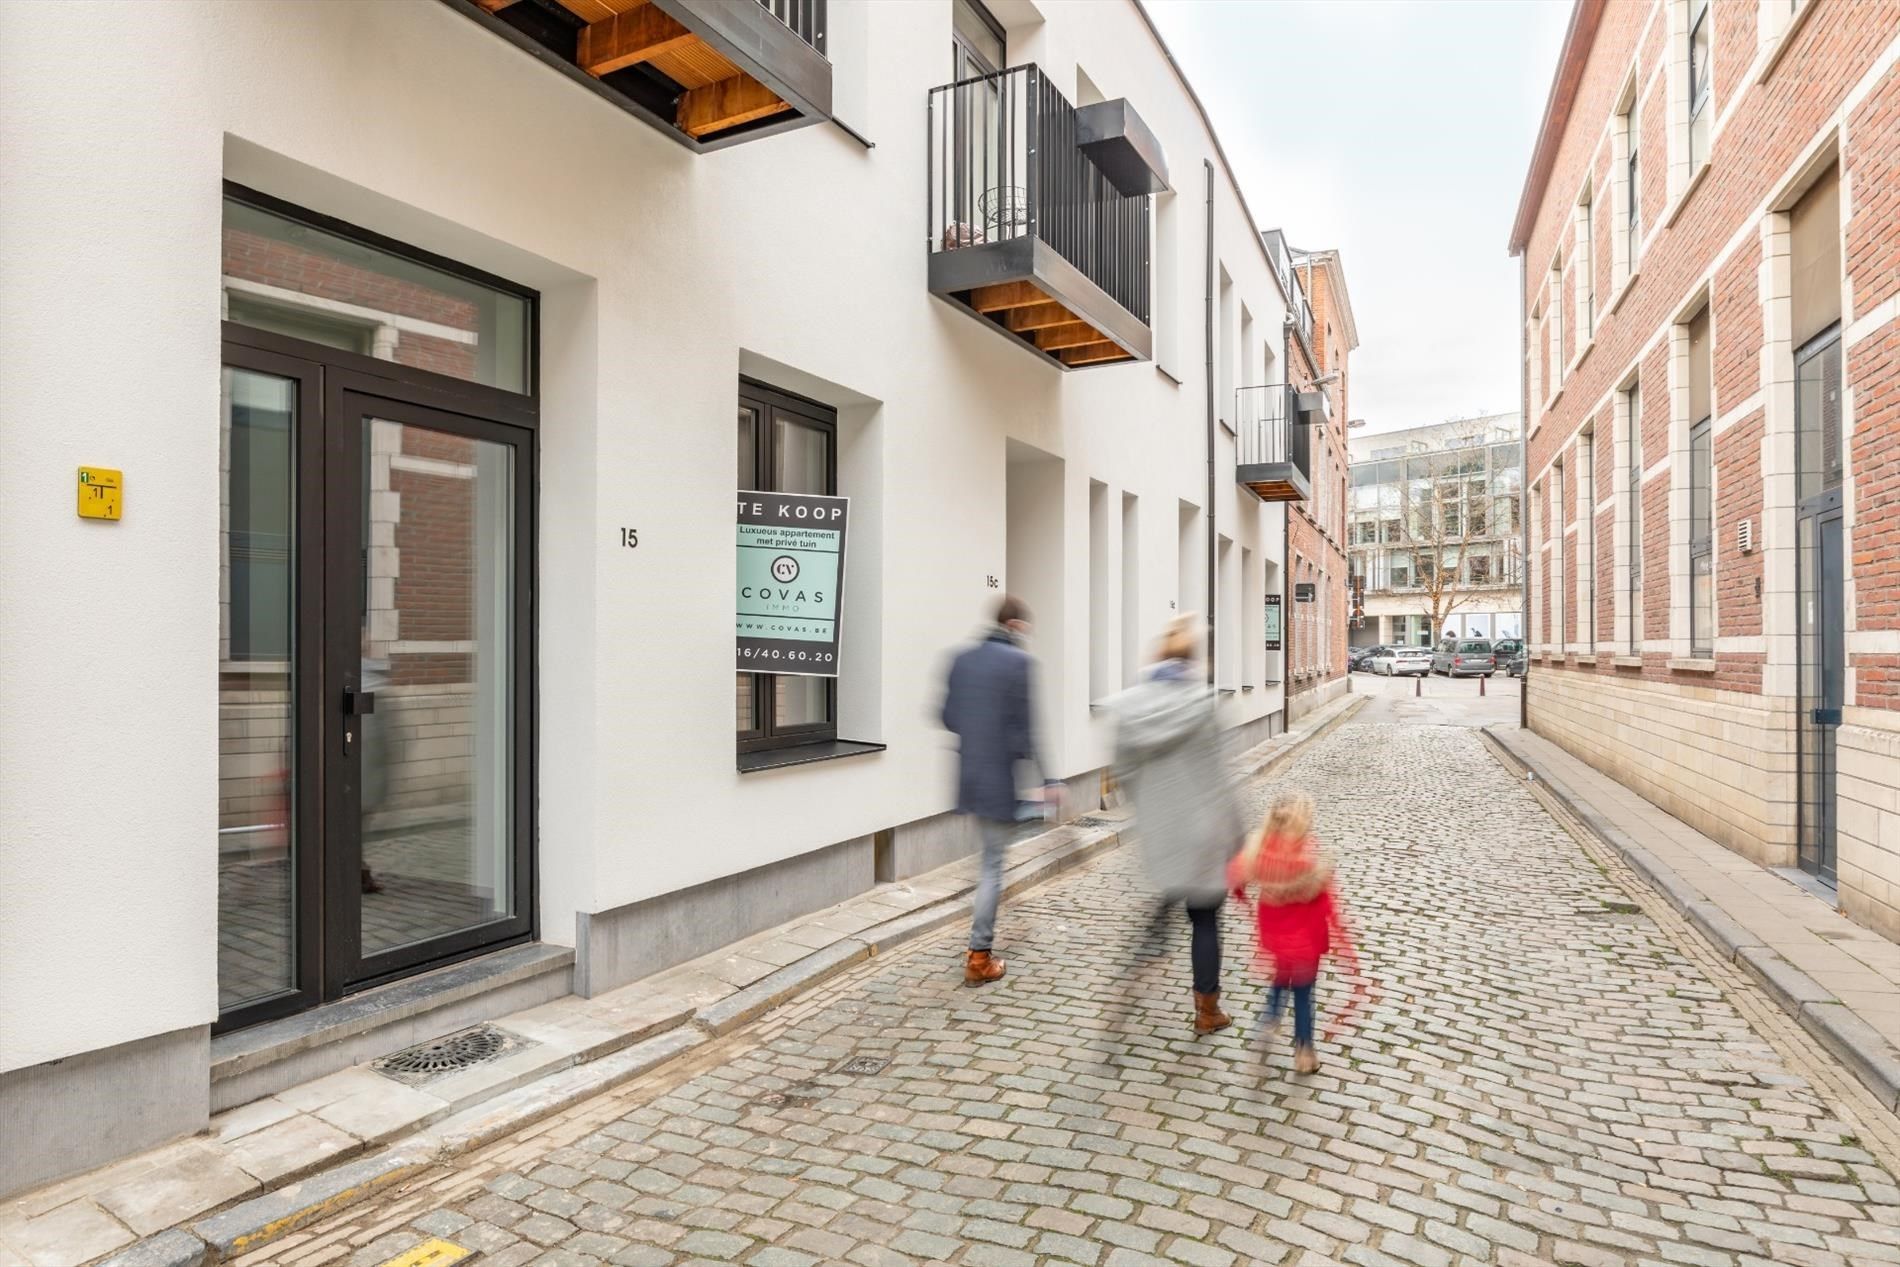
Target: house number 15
630, 538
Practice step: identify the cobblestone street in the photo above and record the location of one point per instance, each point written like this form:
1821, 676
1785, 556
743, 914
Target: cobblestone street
1545, 1074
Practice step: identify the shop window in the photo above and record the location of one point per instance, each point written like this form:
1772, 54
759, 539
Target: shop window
785, 445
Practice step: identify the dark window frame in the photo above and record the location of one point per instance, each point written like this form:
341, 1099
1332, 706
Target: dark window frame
1633, 406
1701, 531
1700, 75
767, 401
326, 376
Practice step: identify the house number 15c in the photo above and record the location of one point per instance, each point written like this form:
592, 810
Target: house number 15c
630, 538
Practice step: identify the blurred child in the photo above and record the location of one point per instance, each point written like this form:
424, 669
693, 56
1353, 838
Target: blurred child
1297, 915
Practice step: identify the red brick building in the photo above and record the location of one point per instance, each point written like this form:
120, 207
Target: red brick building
1317, 353
1710, 237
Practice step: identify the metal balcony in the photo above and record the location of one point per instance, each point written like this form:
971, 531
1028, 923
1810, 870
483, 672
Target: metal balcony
707, 73
1274, 440
1039, 220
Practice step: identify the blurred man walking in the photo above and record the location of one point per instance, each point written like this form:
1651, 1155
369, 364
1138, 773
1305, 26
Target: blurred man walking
989, 706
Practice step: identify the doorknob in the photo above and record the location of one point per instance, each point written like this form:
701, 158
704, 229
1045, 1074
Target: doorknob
358, 703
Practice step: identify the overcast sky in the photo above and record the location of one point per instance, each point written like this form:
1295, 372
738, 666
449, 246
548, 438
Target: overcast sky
1398, 131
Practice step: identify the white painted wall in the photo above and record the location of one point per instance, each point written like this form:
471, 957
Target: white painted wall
662, 273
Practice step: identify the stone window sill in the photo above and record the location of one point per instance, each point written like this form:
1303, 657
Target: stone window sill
1585, 659
1577, 360
804, 754
1627, 661
1772, 58
1699, 664
1622, 292
1688, 191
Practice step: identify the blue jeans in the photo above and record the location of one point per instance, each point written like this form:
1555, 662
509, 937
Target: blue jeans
989, 883
1302, 1012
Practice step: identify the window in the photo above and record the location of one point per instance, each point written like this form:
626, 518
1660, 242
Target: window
1587, 535
786, 445
1586, 269
1815, 229
1701, 491
1554, 327
1632, 413
1633, 183
978, 43
1700, 73
1559, 521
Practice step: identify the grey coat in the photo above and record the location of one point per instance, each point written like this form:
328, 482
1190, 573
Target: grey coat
987, 705
1169, 755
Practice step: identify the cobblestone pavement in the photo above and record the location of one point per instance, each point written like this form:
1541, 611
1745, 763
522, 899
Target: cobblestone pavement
1546, 1075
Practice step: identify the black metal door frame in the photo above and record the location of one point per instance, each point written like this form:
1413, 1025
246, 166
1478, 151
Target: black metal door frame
351, 401
1820, 678
336, 390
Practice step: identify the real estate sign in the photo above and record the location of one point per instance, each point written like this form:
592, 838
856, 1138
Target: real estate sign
790, 584
1271, 623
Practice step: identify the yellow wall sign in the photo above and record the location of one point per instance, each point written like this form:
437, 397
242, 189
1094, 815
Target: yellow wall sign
99, 492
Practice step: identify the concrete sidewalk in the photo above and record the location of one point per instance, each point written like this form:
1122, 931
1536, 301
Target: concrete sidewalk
1839, 980
269, 1166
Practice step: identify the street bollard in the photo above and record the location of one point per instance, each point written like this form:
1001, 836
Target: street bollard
1418, 687
1481, 682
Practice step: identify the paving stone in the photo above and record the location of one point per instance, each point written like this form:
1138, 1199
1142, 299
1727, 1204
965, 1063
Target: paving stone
1537, 1079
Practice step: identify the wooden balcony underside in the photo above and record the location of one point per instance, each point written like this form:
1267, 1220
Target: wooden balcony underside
715, 95
1026, 311
1274, 481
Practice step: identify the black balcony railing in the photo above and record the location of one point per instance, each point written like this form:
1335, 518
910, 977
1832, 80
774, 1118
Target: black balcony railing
1269, 428
805, 17
1282, 256
1004, 165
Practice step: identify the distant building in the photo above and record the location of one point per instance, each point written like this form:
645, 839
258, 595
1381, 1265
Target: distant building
1434, 532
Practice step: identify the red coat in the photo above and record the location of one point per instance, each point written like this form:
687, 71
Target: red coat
1295, 913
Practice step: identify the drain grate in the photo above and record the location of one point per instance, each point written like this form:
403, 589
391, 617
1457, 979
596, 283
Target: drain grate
449, 1054
859, 1066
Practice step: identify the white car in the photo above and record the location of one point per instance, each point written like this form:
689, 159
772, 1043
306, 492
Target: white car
1403, 661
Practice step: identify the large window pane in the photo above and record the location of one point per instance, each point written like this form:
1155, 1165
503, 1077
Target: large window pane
438, 637
288, 277
804, 457
256, 848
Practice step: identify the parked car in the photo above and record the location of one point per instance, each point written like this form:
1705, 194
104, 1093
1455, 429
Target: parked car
1507, 649
1402, 661
1464, 657
1518, 663
1358, 658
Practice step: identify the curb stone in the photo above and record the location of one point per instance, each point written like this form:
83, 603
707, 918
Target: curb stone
174, 1248
767, 993
250, 1224
1832, 1023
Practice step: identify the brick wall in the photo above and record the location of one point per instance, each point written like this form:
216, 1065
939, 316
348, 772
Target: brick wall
1833, 92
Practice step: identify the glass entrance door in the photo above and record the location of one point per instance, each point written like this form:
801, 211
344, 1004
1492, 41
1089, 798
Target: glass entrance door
374, 683
426, 785
1822, 681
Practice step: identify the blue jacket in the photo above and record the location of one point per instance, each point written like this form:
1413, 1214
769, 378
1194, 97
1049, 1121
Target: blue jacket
987, 706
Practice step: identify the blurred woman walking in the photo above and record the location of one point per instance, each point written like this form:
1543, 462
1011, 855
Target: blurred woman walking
1169, 756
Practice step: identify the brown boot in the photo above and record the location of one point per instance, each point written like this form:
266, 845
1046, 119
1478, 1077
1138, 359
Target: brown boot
982, 967
1306, 1060
1207, 1014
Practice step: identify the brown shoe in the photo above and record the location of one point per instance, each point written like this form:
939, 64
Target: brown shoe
981, 968
1306, 1060
1207, 1014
